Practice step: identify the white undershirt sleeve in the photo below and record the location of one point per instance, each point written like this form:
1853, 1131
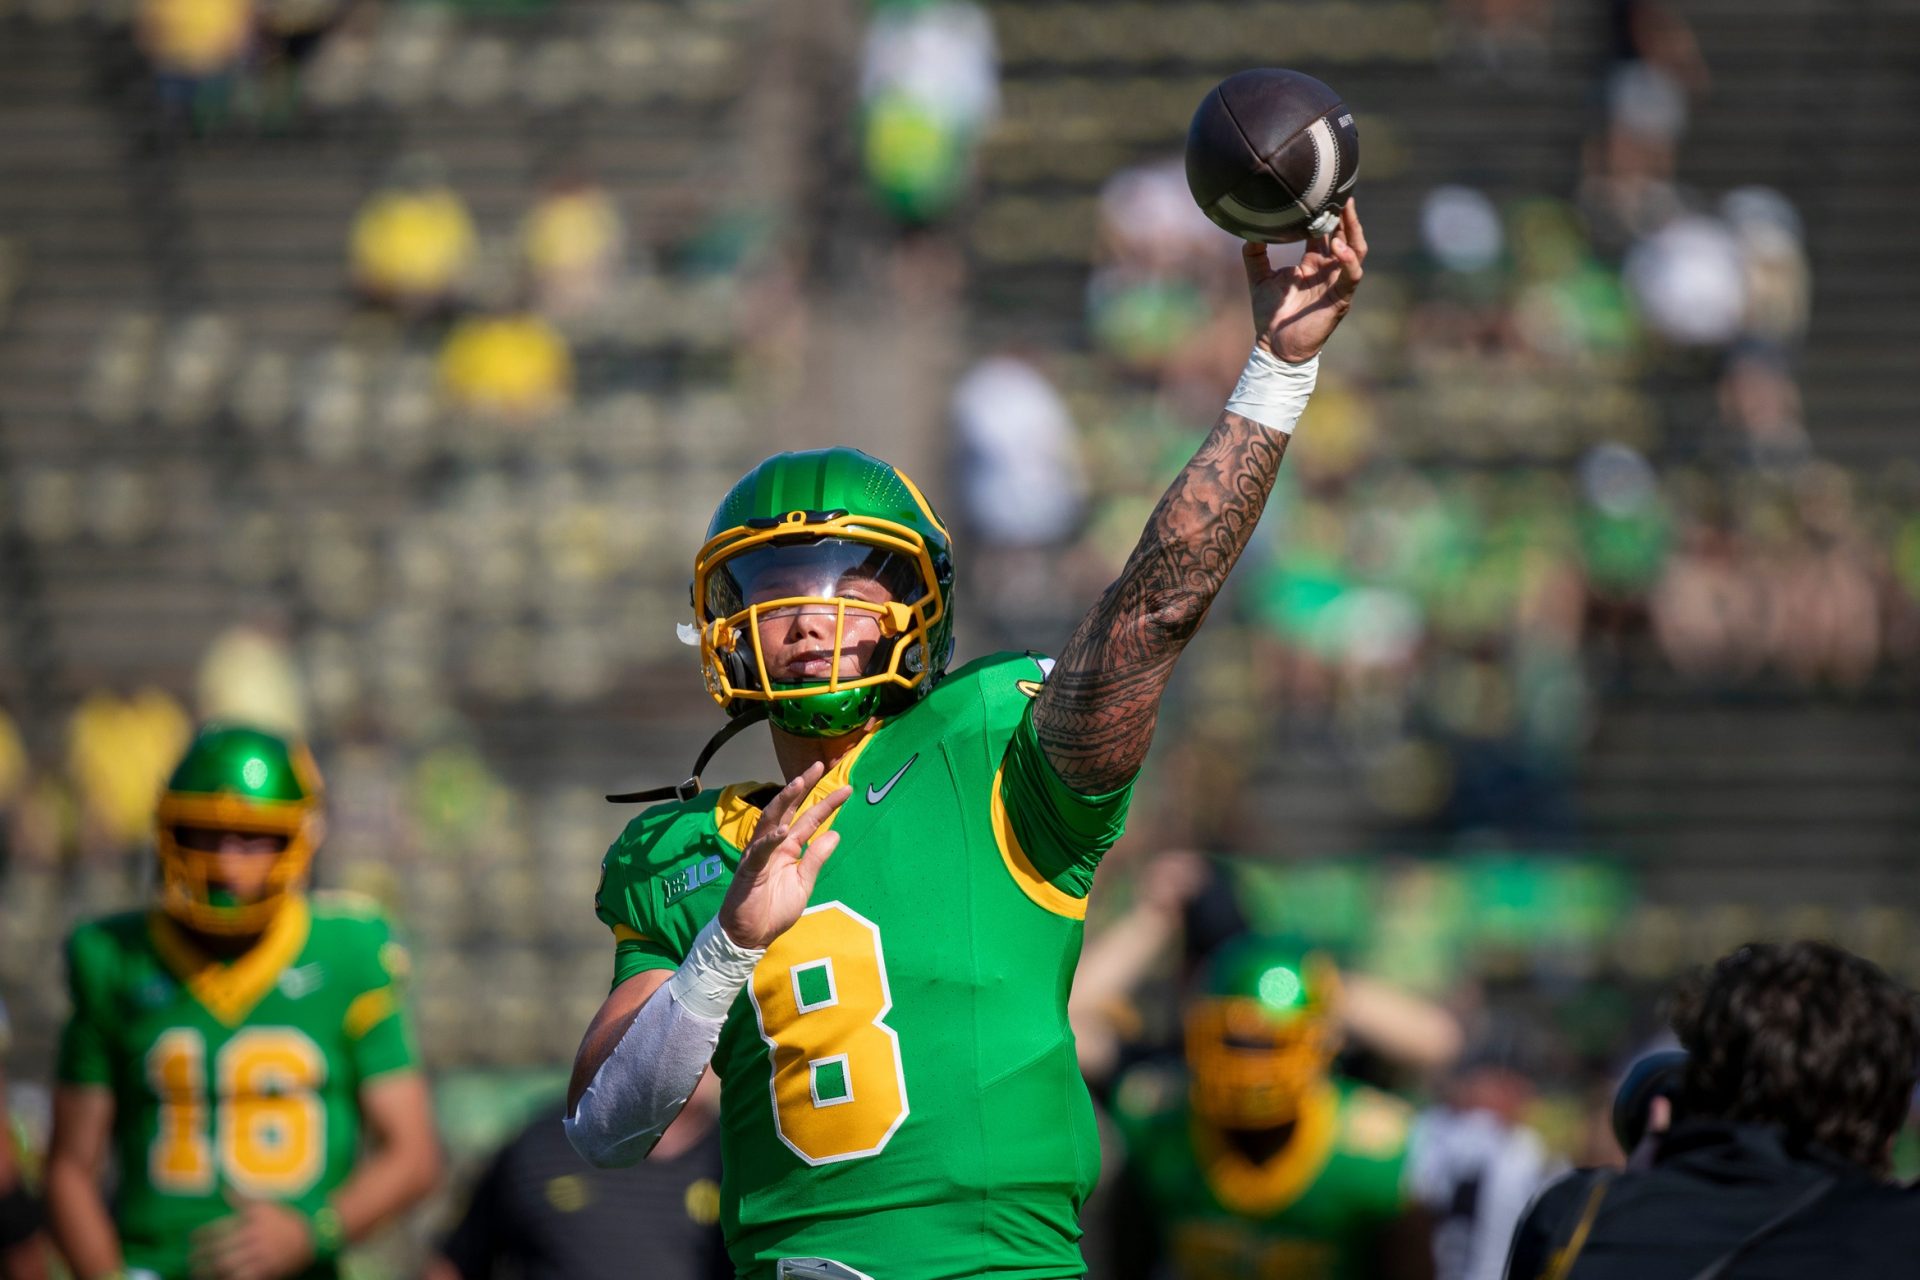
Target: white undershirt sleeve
656, 1065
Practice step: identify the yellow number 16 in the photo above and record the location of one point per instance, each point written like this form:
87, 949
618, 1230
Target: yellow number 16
820, 995
269, 1125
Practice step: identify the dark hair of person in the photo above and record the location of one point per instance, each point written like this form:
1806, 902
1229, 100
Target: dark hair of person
1804, 1036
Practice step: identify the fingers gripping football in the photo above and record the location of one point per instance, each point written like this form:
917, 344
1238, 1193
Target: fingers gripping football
775, 879
1297, 308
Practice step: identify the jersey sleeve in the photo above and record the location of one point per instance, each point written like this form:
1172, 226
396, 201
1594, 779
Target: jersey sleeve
1061, 833
378, 1032
86, 1052
629, 900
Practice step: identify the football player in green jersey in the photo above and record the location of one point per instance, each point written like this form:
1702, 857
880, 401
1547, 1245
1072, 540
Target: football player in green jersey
1266, 1166
240, 1049
899, 1092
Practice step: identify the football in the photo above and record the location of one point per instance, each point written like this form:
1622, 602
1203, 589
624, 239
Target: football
1272, 155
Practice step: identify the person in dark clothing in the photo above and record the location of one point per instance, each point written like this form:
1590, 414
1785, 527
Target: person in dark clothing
1801, 1059
540, 1212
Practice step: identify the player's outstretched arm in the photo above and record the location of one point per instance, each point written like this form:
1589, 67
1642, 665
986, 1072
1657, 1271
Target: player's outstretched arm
1096, 713
76, 1161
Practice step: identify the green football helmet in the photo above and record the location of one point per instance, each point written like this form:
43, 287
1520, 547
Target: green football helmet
249, 781
1262, 1033
824, 534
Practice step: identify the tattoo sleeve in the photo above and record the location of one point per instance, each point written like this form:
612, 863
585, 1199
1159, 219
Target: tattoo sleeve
1096, 713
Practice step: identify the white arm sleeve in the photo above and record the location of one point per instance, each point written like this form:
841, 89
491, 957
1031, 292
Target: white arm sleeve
654, 1068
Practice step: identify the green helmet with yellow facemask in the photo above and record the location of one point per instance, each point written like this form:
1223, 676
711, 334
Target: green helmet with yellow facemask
253, 783
842, 535
1262, 1034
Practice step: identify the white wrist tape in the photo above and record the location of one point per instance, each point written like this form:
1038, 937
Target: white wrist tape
1272, 392
655, 1067
713, 972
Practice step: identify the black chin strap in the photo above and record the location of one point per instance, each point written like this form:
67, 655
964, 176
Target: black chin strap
691, 787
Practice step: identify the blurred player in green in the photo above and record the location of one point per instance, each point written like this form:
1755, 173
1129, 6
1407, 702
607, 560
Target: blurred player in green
239, 1049
1266, 1165
900, 1096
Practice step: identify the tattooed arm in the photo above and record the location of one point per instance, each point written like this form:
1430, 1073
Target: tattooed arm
1096, 712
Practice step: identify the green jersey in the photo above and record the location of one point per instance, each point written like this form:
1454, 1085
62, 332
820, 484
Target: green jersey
1314, 1211
899, 1087
231, 1079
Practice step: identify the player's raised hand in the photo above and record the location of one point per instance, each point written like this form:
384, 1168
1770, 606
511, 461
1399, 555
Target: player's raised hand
1297, 308
777, 871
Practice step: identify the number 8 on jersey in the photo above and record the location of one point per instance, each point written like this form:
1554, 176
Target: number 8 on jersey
820, 996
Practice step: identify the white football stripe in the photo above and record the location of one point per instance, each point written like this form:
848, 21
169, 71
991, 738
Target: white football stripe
1260, 219
1326, 165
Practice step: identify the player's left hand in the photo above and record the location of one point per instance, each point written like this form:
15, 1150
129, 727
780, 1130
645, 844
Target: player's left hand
1297, 308
260, 1241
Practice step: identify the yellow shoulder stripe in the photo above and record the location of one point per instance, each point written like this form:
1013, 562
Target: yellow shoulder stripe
621, 933
368, 1010
1037, 887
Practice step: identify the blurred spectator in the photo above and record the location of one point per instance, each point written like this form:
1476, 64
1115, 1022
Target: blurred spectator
1689, 283
412, 242
1773, 257
1159, 265
539, 1212
1477, 1165
1801, 1062
573, 241
291, 33
23, 1247
197, 48
1022, 482
1760, 405
119, 751
929, 87
514, 367
248, 676
1654, 69
1708, 611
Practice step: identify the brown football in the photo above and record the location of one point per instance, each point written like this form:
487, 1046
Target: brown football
1272, 155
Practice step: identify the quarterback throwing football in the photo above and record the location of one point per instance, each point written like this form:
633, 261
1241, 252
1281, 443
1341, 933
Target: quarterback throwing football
900, 1098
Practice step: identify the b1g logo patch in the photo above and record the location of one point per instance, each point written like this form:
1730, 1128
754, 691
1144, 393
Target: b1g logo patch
692, 877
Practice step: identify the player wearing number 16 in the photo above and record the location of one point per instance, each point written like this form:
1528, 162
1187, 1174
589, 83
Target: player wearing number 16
875, 952
239, 1048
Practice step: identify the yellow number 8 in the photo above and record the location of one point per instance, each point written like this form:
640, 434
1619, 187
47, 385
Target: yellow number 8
820, 994
270, 1127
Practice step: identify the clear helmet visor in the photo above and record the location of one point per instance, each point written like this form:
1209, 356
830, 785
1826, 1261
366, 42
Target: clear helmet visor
810, 575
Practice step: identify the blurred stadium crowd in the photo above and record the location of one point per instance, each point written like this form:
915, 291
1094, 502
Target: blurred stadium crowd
371, 369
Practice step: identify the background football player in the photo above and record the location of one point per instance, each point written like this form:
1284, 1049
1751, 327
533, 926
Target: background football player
240, 1048
1267, 1165
899, 1088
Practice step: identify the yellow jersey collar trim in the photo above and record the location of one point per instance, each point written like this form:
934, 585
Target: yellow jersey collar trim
736, 818
230, 990
1264, 1189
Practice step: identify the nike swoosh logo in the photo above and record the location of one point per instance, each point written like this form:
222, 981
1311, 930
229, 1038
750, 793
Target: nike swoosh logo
876, 794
